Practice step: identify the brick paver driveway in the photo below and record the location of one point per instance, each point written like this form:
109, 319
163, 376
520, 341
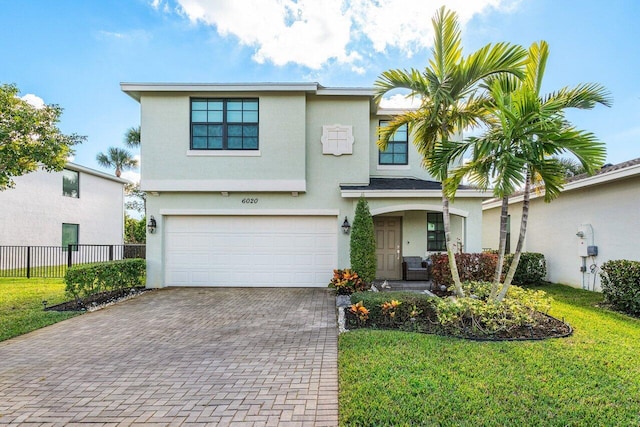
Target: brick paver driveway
181, 357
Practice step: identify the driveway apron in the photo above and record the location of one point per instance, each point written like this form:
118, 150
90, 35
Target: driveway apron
181, 356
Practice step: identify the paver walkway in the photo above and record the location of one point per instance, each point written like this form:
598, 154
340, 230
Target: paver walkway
192, 356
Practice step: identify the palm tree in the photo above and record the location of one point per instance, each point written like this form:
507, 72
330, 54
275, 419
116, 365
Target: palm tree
117, 158
526, 132
450, 102
132, 137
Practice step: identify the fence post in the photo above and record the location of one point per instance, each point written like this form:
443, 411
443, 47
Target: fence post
69, 256
28, 262
110, 252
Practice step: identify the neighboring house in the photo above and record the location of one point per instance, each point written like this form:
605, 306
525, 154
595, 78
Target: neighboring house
77, 205
600, 211
250, 184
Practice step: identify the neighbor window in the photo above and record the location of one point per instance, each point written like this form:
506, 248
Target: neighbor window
69, 236
435, 232
224, 124
70, 183
396, 151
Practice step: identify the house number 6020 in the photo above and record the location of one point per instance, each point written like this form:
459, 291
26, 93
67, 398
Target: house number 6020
249, 201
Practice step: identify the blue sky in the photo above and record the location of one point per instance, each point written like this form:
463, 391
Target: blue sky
75, 53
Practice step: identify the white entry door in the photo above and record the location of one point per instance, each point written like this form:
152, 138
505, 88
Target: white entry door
250, 250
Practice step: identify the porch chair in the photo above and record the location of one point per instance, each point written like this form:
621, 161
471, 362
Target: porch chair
414, 268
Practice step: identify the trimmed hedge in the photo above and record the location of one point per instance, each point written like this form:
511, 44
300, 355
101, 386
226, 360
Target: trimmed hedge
363, 243
532, 268
472, 267
480, 267
620, 282
86, 280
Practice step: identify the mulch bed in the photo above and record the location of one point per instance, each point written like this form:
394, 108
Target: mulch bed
96, 300
545, 327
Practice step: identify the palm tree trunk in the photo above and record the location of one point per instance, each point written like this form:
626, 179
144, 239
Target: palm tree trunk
523, 231
501, 247
446, 219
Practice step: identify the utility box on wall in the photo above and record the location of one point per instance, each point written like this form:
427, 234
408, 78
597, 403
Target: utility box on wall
585, 241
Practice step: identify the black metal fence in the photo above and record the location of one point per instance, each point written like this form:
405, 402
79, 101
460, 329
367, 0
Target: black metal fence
53, 261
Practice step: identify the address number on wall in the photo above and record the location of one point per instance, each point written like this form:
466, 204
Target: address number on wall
249, 201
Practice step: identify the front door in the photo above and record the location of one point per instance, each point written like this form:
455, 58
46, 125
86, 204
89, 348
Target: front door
388, 242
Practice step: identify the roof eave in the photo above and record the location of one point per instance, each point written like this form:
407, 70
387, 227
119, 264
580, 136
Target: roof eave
356, 193
603, 178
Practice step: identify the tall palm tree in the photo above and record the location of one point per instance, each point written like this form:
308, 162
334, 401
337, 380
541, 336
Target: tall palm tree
450, 102
527, 132
117, 158
132, 137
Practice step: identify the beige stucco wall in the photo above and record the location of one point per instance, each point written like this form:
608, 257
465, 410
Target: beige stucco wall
166, 137
290, 127
612, 209
33, 212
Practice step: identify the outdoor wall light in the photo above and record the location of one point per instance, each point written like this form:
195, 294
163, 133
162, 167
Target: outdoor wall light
346, 226
152, 225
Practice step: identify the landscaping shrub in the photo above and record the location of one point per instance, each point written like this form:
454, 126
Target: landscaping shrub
363, 243
471, 267
532, 268
480, 267
85, 280
475, 315
620, 281
392, 310
347, 281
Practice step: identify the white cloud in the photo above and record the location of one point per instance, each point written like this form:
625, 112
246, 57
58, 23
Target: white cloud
312, 33
137, 36
133, 176
400, 101
33, 100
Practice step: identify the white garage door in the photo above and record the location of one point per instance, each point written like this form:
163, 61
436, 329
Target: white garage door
250, 250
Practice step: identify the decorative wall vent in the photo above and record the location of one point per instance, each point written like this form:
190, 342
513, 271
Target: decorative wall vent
337, 139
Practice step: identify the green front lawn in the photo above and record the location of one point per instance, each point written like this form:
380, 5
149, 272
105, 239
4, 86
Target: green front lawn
21, 309
590, 378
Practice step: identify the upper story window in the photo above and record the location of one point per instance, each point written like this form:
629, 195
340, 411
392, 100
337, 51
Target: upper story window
224, 124
396, 151
70, 183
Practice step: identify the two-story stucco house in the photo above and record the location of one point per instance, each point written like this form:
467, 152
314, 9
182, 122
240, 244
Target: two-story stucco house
250, 184
77, 205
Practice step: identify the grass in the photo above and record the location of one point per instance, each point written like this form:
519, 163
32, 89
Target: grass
590, 378
21, 309
50, 271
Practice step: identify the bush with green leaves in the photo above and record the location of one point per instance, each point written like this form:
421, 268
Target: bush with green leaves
363, 243
475, 315
620, 282
85, 280
532, 268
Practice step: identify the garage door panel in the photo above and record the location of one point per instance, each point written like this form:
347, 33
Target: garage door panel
250, 251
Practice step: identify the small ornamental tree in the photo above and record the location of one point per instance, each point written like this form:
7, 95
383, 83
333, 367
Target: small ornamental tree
30, 138
363, 243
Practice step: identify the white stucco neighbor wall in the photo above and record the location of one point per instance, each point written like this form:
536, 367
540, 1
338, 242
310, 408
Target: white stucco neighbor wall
33, 212
611, 208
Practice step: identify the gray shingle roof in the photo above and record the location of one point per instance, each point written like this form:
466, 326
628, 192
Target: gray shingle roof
398, 184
